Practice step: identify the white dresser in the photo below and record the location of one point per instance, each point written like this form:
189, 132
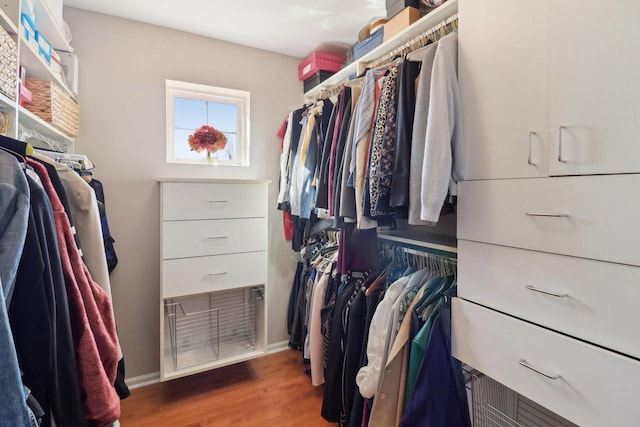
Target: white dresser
213, 274
548, 214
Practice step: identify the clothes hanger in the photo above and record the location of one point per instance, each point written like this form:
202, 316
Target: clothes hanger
16, 147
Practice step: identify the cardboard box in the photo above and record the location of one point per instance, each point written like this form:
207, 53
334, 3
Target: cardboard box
402, 20
395, 6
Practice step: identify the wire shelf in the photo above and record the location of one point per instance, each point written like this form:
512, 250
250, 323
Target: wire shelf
495, 405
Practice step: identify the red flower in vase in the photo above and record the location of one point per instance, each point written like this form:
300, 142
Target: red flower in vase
207, 138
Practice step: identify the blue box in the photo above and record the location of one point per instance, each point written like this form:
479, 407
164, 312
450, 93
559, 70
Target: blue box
28, 26
44, 47
367, 45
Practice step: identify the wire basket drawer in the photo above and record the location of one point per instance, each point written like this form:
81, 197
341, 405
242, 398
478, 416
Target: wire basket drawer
208, 327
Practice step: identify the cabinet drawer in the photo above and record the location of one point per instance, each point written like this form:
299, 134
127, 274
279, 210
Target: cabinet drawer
183, 239
182, 200
590, 216
213, 273
595, 387
594, 300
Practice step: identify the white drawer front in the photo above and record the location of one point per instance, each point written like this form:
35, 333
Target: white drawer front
183, 239
213, 273
595, 388
591, 216
592, 300
212, 200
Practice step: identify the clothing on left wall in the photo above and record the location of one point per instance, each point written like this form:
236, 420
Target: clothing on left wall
60, 320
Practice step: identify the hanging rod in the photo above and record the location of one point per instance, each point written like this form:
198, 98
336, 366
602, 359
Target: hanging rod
432, 35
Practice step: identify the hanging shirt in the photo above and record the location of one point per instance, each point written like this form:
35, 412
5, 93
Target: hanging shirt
443, 131
418, 139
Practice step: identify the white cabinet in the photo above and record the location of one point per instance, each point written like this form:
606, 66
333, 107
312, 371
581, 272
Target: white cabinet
503, 86
548, 88
580, 382
548, 210
213, 274
594, 66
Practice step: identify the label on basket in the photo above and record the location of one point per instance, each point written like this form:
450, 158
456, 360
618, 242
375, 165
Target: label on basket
306, 69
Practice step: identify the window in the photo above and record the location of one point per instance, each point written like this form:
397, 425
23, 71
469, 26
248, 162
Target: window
190, 107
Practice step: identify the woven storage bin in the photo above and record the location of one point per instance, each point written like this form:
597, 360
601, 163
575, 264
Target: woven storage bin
8, 64
54, 105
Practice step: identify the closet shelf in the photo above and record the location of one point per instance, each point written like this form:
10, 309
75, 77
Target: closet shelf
30, 120
428, 21
37, 68
5, 101
6, 23
48, 26
424, 240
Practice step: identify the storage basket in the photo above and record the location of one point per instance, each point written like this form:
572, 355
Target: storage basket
208, 327
8, 65
53, 105
319, 61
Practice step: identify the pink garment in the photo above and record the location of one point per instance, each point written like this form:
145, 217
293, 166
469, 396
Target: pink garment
92, 323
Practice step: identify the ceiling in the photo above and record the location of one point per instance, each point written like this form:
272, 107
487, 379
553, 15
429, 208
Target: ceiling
291, 27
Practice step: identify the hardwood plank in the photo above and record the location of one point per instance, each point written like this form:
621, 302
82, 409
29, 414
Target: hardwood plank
270, 391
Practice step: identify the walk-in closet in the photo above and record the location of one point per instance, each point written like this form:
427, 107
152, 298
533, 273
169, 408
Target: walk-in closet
367, 213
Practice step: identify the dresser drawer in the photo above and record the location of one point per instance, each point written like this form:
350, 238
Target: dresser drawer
595, 387
183, 201
183, 239
592, 300
213, 273
590, 216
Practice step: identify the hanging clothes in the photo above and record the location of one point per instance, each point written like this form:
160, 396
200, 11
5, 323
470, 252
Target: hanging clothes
92, 322
14, 214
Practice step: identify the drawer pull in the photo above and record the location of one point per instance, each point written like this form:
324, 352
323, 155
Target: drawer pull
526, 365
217, 201
212, 275
560, 129
550, 215
217, 238
529, 159
542, 291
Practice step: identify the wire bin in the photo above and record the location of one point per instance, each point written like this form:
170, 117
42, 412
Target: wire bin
495, 405
207, 327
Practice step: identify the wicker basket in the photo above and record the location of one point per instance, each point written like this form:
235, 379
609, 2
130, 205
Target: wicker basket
8, 65
54, 105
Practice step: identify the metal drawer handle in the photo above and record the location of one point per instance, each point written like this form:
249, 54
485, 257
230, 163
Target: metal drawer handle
217, 201
560, 129
551, 215
542, 291
217, 238
529, 159
216, 274
526, 365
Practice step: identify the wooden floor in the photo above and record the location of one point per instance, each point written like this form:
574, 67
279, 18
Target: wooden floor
272, 391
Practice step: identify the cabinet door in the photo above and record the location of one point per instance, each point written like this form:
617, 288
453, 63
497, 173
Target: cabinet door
594, 66
503, 85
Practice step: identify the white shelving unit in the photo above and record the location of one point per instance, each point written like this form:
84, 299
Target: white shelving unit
214, 270
428, 21
35, 65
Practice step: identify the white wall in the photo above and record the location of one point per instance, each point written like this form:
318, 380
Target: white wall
123, 67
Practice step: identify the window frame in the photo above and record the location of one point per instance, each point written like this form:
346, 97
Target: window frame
240, 98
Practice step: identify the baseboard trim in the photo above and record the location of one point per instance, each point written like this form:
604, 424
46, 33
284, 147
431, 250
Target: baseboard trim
277, 347
154, 377
143, 380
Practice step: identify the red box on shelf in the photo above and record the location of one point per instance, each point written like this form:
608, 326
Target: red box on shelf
319, 61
